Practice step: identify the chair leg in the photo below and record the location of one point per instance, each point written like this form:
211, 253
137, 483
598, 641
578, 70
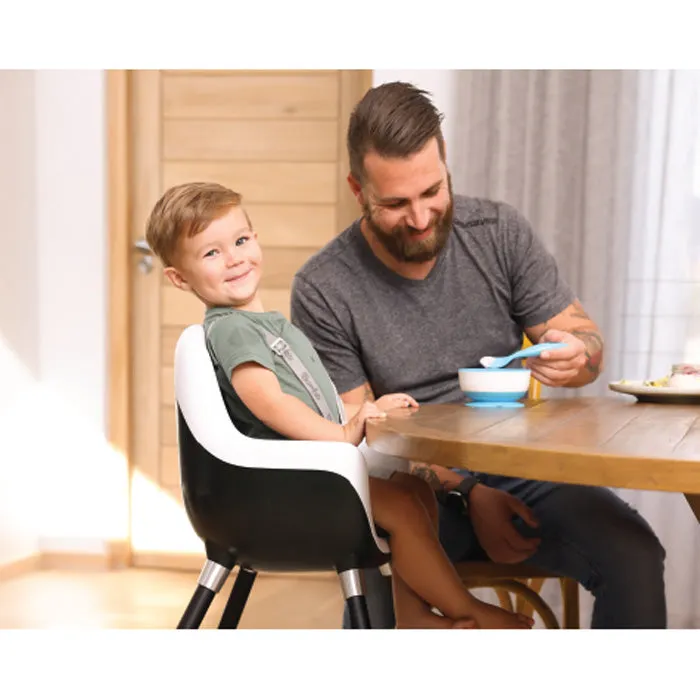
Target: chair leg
504, 599
569, 595
536, 585
351, 583
237, 599
209, 584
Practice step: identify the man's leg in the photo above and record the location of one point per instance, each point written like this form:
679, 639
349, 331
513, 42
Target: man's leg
588, 534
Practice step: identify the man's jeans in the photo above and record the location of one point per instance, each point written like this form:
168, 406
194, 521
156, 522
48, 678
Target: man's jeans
588, 534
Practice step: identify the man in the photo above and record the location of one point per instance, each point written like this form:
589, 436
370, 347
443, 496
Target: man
427, 282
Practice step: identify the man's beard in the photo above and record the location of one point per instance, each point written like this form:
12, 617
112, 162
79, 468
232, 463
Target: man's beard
398, 243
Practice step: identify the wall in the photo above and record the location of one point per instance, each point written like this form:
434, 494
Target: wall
442, 84
19, 315
71, 225
54, 269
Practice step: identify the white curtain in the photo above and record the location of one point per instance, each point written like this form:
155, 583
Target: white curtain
606, 165
662, 293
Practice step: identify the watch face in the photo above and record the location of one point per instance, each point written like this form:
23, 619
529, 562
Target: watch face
456, 501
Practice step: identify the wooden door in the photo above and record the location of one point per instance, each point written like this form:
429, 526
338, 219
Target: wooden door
278, 137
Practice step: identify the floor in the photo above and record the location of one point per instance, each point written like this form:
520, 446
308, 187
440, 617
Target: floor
155, 599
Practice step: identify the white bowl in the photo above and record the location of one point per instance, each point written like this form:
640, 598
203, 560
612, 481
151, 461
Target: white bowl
684, 381
494, 385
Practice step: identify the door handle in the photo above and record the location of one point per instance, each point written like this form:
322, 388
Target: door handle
146, 262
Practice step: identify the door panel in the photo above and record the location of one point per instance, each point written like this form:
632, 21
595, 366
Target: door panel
273, 140
251, 96
280, 183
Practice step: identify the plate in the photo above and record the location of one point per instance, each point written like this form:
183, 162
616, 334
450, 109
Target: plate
655, 394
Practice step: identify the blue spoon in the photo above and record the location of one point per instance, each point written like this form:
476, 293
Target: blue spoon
532, 351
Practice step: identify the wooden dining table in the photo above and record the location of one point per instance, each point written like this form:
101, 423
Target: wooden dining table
611, 441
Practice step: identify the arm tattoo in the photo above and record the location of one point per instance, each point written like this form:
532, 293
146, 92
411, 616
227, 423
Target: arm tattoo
423, 471
579, 312
594, 349
369, 394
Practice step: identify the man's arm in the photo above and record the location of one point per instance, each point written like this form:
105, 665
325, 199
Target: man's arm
358, 395
576, 366
440, 478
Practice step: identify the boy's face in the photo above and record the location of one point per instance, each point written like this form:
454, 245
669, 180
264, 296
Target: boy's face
222, 264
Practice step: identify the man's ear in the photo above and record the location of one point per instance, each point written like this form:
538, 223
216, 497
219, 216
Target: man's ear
356, 189
177, 279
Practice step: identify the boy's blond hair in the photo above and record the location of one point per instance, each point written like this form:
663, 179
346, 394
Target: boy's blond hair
186, 210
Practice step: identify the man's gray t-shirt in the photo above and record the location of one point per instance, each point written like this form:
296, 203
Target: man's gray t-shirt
493, 279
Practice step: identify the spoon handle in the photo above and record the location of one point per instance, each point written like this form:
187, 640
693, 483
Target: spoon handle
538, 349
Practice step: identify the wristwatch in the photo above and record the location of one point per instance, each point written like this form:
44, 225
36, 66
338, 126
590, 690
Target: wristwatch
458, 497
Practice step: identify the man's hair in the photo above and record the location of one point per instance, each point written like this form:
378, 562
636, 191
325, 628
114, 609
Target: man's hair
395, 120
184, 211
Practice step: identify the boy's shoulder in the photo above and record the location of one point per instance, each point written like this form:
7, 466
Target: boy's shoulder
228, 325
222, 317
234, 324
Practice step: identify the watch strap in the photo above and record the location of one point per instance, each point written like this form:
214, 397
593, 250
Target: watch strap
458, 497
467, 484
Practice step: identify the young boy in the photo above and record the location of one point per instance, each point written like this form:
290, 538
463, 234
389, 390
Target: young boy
208, 247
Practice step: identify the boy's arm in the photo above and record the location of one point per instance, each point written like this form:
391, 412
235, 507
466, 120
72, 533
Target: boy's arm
259, 389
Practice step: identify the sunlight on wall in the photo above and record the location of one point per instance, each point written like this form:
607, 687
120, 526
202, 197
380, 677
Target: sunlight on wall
67, 481
19, 529
93, 502
167, 529
69, 487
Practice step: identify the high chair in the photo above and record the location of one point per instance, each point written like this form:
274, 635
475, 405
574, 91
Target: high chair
266, 505
522, 581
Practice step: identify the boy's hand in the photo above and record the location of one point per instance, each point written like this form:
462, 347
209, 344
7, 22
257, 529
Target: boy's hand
389, 401
354, 429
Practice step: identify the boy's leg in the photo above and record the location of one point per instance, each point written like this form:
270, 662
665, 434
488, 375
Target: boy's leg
423, 490
410, 610
421, 562
414, 613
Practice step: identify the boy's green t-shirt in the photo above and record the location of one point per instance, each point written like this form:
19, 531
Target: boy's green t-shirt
234, 337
